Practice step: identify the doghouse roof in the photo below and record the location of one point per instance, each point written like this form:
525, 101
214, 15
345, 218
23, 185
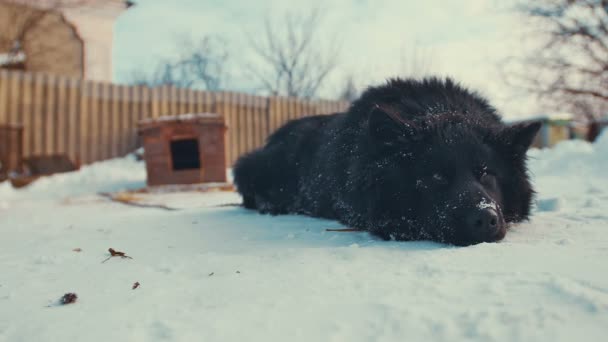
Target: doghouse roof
190, 118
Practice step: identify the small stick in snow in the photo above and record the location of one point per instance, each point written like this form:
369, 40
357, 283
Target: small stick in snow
77, 249
210, 274
130, 200
68, 298
136, 285
114, 253
344, 230
229, 205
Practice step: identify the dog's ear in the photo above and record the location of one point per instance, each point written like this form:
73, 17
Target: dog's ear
387, 128
519, 137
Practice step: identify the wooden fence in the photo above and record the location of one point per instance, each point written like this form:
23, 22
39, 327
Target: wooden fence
91, 121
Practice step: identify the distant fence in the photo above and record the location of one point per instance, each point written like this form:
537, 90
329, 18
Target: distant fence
91, 121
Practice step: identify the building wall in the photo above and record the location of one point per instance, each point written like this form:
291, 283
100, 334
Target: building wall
50, 43
74, 40
95, 25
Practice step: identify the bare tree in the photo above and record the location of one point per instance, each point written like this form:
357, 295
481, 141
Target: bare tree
416, 60
349, 90
569, 67
293, 59
200, 65
163, 74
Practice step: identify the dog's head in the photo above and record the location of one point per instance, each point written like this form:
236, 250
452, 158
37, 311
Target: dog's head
448, 178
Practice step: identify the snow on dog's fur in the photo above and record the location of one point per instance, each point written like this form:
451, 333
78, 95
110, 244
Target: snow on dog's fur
409, 160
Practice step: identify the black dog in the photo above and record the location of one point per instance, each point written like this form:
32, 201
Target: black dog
410, 160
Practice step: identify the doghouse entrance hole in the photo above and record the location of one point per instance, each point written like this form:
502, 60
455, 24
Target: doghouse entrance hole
185, 154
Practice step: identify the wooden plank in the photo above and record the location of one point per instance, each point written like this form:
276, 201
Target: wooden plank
199, 99
107, 122
74, 116
236, 137
134, 94
276, 108
260, 120
327, 107
208, 102
293, 108
174, 101
103, 120
37, 127
161, 94
182, 96
321, 107
193, 101
257, 121
49, 114
267, 118
126, 119
27, 109
4, 99
301, 108
242, 123
15, 97
287, 112
247, 108
268, 109
147, 105
296, 108
84, 122
239, 136
285, 115
114, 139
155, 102
61, 119
271, 104
95, 128
166, 101
165, 98
220, 99
190, 101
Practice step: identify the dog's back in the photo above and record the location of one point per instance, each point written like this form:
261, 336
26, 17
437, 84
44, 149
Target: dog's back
267, 178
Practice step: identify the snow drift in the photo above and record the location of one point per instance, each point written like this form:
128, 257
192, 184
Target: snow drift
225, 274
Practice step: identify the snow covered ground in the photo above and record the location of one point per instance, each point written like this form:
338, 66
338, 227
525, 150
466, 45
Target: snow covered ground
220, 273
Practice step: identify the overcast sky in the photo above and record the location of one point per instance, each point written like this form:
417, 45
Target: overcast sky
465, 39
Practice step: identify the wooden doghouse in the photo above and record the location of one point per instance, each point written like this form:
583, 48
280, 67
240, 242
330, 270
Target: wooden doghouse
184, 149
11, 149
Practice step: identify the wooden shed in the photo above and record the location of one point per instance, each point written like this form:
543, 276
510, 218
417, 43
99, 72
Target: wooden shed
184, 149
11, 149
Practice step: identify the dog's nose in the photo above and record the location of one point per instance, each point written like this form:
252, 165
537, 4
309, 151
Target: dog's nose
484, 222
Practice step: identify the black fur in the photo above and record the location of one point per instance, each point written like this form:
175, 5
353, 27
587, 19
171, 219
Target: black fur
409, 160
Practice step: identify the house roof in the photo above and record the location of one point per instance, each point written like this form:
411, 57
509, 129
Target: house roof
189, 118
